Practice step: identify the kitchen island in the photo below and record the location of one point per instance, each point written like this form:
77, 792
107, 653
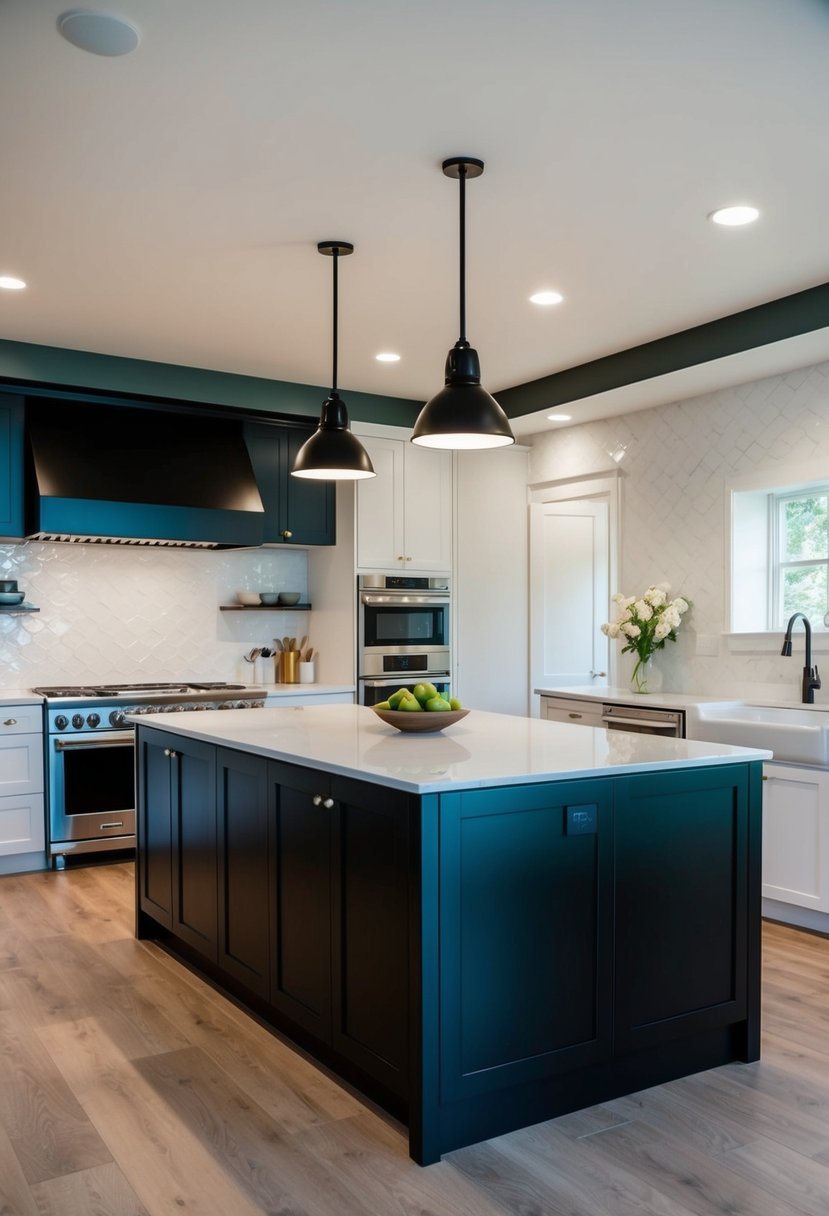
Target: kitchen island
482, 928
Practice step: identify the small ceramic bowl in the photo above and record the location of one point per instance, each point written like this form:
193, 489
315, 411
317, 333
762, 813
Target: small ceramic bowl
8, 584
249, 598
289, 597
269, 597
11, 597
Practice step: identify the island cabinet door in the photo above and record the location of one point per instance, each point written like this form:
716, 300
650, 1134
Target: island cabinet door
525, 935
370, 929
193, 777
300, 807
244, 946
154, 805
683, 941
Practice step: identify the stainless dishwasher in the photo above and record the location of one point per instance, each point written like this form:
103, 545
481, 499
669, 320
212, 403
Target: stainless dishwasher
670, 723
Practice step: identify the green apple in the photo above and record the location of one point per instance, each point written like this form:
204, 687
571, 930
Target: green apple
397, 697
423, 692
410, 705
454, 703
382, 705
437, 705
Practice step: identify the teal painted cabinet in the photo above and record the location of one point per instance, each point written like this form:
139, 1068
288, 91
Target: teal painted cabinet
297, 511
11, 467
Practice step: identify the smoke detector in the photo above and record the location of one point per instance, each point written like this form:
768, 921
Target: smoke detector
98, 33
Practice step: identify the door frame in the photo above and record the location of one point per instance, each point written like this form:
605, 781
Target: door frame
606, 484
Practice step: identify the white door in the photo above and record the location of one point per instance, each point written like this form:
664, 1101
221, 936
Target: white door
570, 597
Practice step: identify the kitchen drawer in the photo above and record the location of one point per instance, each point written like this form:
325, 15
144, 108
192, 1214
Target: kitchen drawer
22, 824
21, 720
570, 709
21, 765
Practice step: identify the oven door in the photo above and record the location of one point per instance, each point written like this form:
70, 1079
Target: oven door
411, 621
92, 786
372, 692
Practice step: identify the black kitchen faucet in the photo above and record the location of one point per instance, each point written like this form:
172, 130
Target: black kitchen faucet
811, 676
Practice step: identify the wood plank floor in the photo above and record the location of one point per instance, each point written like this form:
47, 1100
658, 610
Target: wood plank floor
130, 1088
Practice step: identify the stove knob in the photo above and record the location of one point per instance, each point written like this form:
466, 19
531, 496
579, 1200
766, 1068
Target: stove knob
77, 721
116, 718
93, 720
61, 722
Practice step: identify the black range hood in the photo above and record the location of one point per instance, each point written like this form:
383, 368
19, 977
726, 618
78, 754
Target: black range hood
124, 475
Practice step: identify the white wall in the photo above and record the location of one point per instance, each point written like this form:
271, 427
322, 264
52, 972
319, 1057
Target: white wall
123, 614
679, 458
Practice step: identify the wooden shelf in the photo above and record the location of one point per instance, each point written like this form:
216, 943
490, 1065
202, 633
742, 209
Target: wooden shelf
264, 608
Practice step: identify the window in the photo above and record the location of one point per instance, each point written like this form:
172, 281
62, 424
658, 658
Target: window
779, 554
801, 558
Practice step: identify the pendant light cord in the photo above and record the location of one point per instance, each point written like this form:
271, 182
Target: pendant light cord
462, 243
335, 259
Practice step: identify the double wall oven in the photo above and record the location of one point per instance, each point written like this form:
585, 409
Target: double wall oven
90, 755
403, 634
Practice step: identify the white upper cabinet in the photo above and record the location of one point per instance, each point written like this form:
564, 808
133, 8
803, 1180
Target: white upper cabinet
404, 514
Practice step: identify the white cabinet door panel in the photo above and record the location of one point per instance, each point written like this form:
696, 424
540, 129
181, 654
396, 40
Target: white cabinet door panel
427, 490
380, 508
22, 825
21, 764
796, 836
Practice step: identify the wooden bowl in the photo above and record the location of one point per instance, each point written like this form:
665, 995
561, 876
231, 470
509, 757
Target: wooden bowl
422, 722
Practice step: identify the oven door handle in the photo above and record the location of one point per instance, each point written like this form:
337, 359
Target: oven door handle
89, 741
400, 679
404, 600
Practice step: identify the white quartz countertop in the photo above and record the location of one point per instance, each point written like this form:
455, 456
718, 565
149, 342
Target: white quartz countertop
19, 696
305, 690
623, 696
482, 750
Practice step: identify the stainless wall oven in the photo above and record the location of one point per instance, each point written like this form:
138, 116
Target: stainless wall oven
403, 633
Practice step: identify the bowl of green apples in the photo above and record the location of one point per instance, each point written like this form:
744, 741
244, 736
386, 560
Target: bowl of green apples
420, 709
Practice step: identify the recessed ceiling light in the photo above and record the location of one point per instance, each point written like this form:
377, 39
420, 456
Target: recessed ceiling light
546, 297
98, 33
10, 283
560, 417
734, 217
387, 356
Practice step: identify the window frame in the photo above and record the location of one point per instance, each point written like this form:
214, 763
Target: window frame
778, 500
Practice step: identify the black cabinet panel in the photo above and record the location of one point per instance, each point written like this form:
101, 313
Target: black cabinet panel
371, 930
195, 904
244, 948
525, 934
155, 828
681, 927
297, 511
301, 975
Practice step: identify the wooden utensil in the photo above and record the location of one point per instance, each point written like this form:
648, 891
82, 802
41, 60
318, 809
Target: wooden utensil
303, 643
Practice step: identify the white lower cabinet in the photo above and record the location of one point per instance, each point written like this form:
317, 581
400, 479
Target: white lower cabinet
796, 836
570, 709
22, 819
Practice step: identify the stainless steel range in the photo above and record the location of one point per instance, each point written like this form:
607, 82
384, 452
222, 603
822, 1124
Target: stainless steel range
90, 755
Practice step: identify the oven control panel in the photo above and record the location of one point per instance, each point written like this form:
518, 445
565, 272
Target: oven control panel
64, 721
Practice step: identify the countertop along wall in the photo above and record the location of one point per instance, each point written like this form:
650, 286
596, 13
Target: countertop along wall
120, 614
673, 486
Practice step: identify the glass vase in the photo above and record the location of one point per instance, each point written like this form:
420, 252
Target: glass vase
642, 678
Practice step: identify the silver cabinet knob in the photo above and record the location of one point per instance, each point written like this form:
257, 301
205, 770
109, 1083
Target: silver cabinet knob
317, 800
170, 753
574, 715
10, 722
328, 803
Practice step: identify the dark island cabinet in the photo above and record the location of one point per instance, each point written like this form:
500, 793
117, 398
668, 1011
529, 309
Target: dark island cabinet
11, 467
525, 895
177, 807
298, 511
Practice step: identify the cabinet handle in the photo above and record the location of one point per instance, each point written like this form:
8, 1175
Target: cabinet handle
317, 800
765, 778
102, 826
574, 715
10, 722
401, 558
328, 803
408, 559
171, 754
286, 534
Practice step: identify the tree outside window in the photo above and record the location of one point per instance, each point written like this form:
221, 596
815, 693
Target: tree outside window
801, 571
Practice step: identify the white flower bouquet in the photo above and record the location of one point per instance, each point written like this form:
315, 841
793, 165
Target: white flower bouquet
646, 624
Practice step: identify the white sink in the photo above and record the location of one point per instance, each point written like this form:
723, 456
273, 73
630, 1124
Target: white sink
800, 736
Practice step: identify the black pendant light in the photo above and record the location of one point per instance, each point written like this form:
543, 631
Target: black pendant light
462, 415
333, 453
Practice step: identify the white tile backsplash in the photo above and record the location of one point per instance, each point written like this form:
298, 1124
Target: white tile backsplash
678, 460
123, 614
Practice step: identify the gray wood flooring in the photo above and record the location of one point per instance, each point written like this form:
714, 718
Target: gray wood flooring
130, 1088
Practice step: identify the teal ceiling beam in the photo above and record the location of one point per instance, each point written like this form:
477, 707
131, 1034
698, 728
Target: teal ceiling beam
75, 372
801, 313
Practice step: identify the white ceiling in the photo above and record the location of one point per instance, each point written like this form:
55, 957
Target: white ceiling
166, 205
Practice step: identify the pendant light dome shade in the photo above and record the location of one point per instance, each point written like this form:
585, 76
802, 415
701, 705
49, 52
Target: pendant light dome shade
333, 452
463, 415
